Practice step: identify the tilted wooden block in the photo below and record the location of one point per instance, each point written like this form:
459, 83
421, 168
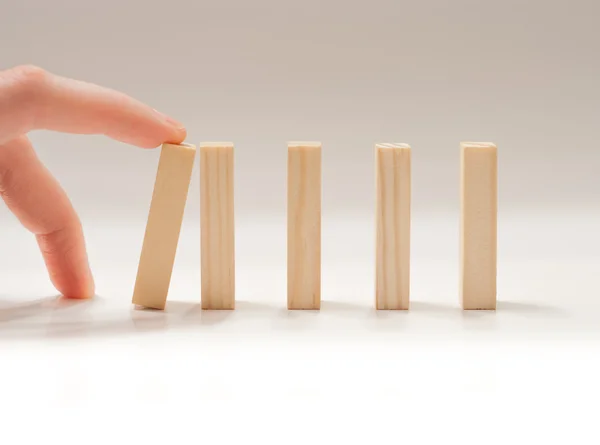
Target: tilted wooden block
164, 224
217, 226
304, 226
478, 225
393, 196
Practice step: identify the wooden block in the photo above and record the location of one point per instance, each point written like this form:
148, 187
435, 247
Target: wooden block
217, 226
393, 197
304, 225
164, 224
478, 225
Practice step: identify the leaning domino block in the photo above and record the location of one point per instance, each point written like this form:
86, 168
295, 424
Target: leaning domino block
217, 226
304, 226
478, 225
164, 224
393, 195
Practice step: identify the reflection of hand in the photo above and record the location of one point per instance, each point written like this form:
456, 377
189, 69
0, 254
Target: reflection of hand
31, 99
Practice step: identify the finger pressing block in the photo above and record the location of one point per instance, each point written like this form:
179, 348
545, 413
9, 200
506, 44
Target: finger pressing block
304, 225
164, 224
478, 225
217, 226
392, 285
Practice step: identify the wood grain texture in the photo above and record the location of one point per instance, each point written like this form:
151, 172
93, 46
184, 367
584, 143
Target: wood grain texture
478, 225
304, 226
393, 202
164, 224
217, 226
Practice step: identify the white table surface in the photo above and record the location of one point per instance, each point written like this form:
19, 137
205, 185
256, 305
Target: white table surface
540, 345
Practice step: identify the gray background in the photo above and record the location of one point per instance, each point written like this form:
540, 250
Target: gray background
523, 75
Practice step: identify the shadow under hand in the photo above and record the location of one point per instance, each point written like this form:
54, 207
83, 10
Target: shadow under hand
176, 315
11, 310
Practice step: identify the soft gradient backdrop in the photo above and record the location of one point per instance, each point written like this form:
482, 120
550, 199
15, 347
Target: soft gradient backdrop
522, 74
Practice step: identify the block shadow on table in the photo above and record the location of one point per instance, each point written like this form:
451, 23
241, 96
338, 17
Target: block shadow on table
57, 317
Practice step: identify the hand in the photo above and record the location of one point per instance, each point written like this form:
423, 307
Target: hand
32, 99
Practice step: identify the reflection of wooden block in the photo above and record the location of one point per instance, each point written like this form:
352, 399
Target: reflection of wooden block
304, 225
164, 224
392, 288
478, 225
217, 225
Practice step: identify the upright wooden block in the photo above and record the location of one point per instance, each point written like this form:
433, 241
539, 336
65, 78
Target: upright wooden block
304, 225
478, 225
393, 197
217, 226
164, 224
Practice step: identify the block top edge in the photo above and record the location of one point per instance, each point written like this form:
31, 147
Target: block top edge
301, 144
181, 145
392, 145
477, 144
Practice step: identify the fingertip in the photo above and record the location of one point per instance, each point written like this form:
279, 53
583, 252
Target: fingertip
166, 135
78, 295
88, 287
85, 285
81, 287
67, 262
179, 135
177, 131
75, 289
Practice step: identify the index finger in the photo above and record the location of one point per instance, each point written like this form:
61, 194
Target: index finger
31, 98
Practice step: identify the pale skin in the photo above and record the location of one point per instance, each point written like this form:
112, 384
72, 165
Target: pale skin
33, 99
